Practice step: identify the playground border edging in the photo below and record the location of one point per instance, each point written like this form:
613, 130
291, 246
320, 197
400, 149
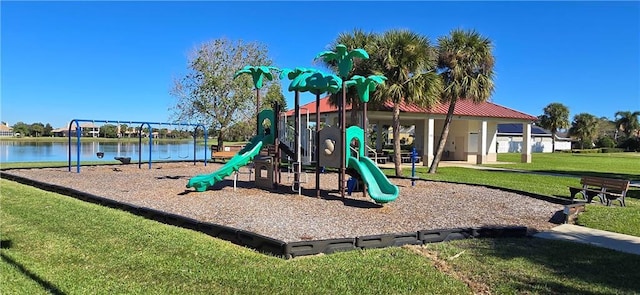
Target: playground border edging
277, 247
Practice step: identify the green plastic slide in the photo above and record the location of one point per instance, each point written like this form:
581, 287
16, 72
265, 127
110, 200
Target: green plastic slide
243, 157
380, 189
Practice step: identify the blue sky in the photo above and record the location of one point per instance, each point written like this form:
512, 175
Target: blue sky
117, 60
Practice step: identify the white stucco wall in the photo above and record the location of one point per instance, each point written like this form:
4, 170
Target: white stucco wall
513, 144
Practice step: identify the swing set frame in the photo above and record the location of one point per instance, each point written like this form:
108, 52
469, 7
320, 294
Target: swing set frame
78, 134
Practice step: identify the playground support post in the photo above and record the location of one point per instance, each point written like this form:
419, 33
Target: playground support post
343, 146
257, 108
365, 125
296, 174
414, 156
317, 146
276, 141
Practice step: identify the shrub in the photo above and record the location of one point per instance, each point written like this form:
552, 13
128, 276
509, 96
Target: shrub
612, 150
605, 142
586, 151
631, 144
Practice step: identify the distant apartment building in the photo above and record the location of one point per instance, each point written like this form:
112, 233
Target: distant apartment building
88, 129
5, 130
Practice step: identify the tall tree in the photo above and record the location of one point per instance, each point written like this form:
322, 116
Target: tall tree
209, 94
606, 128
37, 129
555, 117
408, 62
356, 39
585, 127
274, 94
466, 62
47, 130
21, 128
627, 122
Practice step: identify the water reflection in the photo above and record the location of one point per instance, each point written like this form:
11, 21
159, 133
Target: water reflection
25, 151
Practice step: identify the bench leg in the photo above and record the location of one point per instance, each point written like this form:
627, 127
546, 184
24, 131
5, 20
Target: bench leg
619, 199
573, 192
591, 195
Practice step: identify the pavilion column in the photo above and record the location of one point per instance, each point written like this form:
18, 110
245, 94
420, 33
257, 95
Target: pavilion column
428, 138
526, 143
481, 157
378, 136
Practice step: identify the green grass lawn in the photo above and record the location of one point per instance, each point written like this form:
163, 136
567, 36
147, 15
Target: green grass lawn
80, 248
537, 266
612, 165
56, 244
621, 220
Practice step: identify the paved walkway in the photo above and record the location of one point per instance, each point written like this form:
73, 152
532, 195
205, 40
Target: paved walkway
595, 237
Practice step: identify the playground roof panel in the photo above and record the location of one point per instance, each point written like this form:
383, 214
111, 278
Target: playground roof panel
462, 108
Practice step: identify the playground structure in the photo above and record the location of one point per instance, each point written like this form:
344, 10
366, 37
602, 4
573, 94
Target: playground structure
123, 159
342, 148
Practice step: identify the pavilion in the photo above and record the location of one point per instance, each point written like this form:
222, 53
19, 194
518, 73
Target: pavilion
472, 135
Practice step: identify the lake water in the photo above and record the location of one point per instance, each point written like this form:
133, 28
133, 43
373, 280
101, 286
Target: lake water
21, 151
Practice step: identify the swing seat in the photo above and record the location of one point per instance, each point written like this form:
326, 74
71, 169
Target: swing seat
123, 160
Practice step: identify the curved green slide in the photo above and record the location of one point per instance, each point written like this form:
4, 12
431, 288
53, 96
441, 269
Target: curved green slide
379, 187
243, 157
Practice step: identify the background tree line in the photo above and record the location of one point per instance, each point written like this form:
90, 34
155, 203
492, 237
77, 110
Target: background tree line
590, 131
32, 130
107, 131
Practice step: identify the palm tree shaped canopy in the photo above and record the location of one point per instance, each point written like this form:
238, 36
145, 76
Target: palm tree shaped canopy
364, 86
293, 73
316, 82
257, 74
343, 57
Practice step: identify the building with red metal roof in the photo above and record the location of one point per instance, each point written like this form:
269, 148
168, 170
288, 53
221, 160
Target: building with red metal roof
472, 134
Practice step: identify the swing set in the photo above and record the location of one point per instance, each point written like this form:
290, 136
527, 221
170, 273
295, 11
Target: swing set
163, 135
140, 130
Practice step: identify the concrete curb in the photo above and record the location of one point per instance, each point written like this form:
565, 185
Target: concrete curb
594, 237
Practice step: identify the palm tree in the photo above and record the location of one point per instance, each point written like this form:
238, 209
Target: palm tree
258, 73
363, 67
466, 63
408, 61
584, 127
555, 117
627, 122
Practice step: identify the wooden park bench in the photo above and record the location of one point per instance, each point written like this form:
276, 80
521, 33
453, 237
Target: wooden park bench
227, 154
223, 156
379, 157
606, 189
